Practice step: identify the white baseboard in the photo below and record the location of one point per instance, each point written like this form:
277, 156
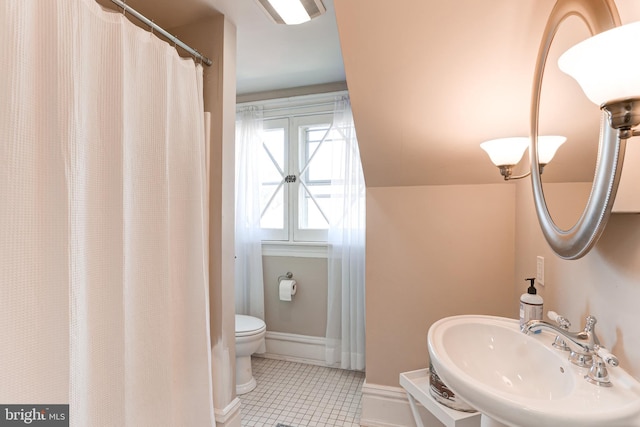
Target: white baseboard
385, 406
295, 348
229, 416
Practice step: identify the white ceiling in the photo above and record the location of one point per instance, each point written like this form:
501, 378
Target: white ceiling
429, 80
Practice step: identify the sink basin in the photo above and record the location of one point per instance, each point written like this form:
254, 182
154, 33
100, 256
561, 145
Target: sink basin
520, 380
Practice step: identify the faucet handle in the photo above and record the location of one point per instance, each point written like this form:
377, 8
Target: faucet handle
562, 321
607, 356
598, 374
564, 324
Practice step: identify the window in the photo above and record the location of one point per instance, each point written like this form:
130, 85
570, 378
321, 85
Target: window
295, 172
296, 178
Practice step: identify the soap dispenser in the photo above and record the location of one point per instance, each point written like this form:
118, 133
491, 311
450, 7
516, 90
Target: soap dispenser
530, 304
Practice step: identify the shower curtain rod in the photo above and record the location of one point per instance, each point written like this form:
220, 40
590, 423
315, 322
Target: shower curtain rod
166, 34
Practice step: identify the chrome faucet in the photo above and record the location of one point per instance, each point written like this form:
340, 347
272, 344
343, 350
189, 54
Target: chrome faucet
583, 341
584, 347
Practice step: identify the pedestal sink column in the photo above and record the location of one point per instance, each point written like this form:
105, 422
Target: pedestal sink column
487, 421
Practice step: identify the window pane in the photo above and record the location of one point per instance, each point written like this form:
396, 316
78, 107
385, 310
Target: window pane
317, 162
313, 206
273, 142
272, 197
316, 155
336, 153
273, 215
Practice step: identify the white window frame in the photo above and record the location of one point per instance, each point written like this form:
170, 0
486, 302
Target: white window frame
303, 110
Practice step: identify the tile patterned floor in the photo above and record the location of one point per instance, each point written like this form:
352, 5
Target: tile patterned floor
300, 395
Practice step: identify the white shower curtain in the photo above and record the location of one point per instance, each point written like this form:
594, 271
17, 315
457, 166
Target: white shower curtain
249, 279
346, 254
103, 264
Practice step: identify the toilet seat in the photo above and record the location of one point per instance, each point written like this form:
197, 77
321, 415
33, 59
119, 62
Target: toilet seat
248, 325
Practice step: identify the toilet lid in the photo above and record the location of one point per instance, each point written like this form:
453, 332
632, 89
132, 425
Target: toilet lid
248, 325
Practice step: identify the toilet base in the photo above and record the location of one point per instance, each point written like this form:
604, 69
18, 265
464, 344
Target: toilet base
246, 387
244, 376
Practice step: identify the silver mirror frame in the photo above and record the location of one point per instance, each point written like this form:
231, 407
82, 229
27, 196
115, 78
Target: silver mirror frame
574, 243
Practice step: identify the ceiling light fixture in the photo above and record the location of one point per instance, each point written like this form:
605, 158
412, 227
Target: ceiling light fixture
505, 153
292, 12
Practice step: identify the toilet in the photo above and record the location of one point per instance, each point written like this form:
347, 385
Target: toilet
250, 332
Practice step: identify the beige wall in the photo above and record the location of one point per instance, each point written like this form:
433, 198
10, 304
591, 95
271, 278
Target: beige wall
307, 313
432, 252
438, 251
605, 283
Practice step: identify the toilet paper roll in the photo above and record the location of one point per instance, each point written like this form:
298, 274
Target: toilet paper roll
288, 288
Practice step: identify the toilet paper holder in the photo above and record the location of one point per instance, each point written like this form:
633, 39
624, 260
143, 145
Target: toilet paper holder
288, 275
287, 287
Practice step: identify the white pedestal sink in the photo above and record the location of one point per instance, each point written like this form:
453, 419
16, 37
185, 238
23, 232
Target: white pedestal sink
520, 380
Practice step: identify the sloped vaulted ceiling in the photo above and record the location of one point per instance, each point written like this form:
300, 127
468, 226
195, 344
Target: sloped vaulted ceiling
430, 80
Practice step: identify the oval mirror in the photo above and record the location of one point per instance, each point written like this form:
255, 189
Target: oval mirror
568, 179
574, 241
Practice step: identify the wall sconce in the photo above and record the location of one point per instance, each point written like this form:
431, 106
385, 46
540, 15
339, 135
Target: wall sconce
292, 12
505, 153
607, 81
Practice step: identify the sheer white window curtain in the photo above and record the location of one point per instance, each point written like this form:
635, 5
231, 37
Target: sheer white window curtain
103, 262
346, 253
248, 269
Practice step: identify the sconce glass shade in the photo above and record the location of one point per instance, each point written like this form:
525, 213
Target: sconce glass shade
506, 151
607, 65
509, 151
547, 147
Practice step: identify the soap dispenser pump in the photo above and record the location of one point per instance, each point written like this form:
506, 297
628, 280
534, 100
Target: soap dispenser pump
530, 304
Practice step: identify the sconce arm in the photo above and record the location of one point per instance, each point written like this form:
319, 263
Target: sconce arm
628, 133
506, 171
510, 177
